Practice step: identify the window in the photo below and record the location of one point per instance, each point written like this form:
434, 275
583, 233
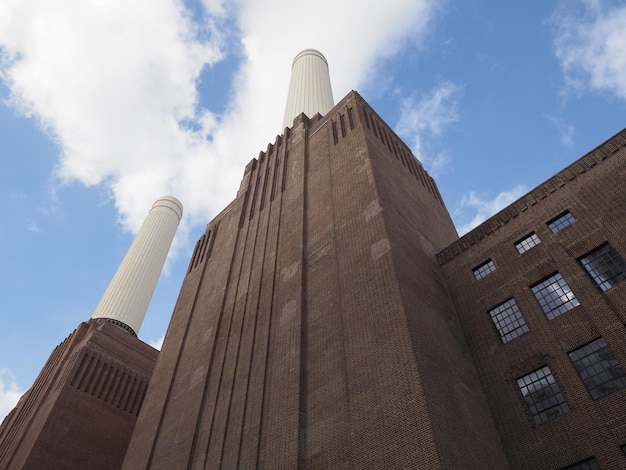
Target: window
605, 267
589, 464
508, 320
527, 243
559, 223
598, 368
484, 269
554, 296
542, 395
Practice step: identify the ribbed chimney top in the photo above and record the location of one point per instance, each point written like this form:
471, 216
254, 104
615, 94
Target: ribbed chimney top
126, 300
314, 52
172, 203
309, 88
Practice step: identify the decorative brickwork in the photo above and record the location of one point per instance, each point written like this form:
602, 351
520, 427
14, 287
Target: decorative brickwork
81, 410
299, 342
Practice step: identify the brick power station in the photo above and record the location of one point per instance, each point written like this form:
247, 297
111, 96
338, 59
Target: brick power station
332, 318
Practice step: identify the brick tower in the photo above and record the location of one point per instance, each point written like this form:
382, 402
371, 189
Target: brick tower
313, 328
82, 408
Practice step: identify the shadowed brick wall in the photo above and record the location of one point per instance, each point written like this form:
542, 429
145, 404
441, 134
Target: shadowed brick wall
303, 336
82, 408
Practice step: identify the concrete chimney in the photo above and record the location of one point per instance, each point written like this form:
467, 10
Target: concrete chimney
309, 88
126, 299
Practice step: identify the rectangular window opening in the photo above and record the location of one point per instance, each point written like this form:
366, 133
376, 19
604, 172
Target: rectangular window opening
508, 320
605, 267
587, 464
484, 269
560, 222
598, 368
542, 395
527, 242
554, 296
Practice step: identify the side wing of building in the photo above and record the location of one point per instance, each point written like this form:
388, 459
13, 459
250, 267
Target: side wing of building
539, 291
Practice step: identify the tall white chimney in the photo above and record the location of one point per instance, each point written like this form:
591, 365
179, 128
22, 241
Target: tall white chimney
309, 88
126, 300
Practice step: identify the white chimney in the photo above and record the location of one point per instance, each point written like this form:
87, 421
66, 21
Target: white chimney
309, 88
126, 300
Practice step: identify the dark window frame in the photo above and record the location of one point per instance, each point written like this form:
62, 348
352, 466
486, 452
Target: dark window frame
588, 464
484, 269
505, 316
547, 294
558, 223
598, 368
528, 242
604, 256
542, 395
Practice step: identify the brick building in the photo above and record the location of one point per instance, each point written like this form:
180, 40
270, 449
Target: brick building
82, 408
331, 317
537, 291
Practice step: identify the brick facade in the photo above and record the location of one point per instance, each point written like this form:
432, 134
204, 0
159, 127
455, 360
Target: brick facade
331, 317
592, 190
298, 337
82, 408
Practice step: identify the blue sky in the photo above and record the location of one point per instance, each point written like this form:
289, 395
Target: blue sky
108, 105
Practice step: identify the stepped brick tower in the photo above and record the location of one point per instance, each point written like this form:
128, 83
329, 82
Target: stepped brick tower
314, 328
82, 408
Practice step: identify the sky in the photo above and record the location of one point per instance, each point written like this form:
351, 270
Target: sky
106, 106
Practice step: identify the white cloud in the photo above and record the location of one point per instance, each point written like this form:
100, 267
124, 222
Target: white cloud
158, 343
9, 393
32, 226
485, 208
115, 84
566, 130
590, 43
423, 120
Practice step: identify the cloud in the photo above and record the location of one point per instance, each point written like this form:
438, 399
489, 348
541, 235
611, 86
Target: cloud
9, 393
32, 226
485, 208
117, 85
423, 120
111, 83
158, 343
590, 44
566, 130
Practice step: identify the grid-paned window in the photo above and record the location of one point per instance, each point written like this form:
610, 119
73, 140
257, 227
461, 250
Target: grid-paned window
508, 320
598, 368
527, 243
554, 296
605, 267
589, 464
559, 223
542, 395
484, 269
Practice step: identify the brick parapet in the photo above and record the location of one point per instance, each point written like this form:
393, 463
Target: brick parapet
545, 190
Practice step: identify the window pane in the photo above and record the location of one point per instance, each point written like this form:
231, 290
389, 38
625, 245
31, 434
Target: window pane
527, 243
542, 395
605, 267
554, 296
508, 320
484, 269
598, 368
561, 222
